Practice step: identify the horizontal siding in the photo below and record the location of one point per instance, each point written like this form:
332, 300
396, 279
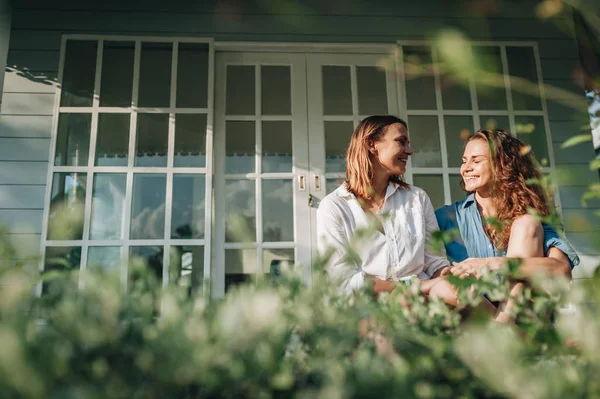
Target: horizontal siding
22, 196
581, 220
36, 60
563, 130
588, 264
27, 104
16, 81
26, 149
25, 245
25, 126
20, 172
22, 221
570, 198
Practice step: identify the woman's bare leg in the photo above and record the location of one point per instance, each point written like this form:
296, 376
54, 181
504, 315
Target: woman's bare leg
526, 241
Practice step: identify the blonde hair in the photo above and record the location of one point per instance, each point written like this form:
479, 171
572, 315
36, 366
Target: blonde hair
359, 167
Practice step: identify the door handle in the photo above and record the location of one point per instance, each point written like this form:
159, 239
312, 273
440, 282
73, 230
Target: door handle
302, 183
317, 183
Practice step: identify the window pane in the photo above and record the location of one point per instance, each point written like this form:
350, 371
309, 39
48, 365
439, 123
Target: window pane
332, 184
455, 94
108, 201
67, 206
117, 74
337, 92
372, 90
190, 140
433, 186
425, 139
61, 259
278, 210
418, 72
456, 192
186, 267
240, 265
145, 261
104, 258
492, 122
276, 146
155, 75
337, 138
240, 90
276, 90
112, 144
192, 75
79, 73
148, 207
489, 84
73, 140
524, 81
458, 130
240, 147
188, 206
152, 140
531, 130
240, 211
276, 261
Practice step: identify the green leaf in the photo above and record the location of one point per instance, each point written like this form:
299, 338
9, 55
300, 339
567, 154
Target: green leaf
595, 164
580, 138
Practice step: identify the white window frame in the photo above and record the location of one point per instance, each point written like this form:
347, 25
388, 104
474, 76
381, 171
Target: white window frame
169, 171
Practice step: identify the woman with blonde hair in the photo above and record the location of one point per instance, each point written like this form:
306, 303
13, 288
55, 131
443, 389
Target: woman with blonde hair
504, 185
375, 226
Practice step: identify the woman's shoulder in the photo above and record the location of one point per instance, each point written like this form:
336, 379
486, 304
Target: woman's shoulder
336, 200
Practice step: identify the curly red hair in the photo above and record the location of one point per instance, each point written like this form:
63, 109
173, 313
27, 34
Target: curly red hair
516, 182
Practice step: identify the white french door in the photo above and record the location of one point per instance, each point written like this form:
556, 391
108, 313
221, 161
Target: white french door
282, 125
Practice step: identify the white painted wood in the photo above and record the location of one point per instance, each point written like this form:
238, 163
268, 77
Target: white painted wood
27, 104
23, 173
5, 24
24, 149
22, 197
25, 126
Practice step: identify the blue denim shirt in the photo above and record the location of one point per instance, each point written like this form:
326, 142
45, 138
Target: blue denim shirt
474, 243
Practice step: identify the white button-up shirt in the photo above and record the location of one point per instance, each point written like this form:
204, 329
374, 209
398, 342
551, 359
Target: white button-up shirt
358, 248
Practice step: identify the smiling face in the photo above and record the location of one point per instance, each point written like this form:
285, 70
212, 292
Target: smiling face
390, 152
476, 168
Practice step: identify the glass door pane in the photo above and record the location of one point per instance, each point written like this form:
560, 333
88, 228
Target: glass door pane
261, 206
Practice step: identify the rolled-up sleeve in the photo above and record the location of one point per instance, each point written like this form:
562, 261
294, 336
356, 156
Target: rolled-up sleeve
553, 239
332, 240
434, 260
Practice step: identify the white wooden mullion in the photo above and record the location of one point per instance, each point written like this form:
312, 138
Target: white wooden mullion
128, 38
208, 209
552, 168
258, 167
144, 110
441, 125
509, 102
354, 93
474, 99
403, 103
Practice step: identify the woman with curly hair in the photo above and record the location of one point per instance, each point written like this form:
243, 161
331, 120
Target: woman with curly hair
499, 173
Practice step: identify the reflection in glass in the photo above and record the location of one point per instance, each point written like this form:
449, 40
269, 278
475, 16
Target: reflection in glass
73, 140
240, 265
531, 130
433, 186
277, 261
276, 146
240, 90
240, 146
493, 122
455, 94
489, 85
192, 75
186, 267
61, 259
419, 84
145, 272
276, 90
67, 206
108, 201
152, 139
117, 74
104, 258
456, 192
240, 211
425, 139
372, 90
112, 144
155, 75
190, 140
278, 210
79, 73
187, 220
337, 90
332, 184
523, 78
337, 137
148, 206
458, 131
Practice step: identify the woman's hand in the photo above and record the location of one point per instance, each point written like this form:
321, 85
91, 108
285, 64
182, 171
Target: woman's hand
440, 288
475, 266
